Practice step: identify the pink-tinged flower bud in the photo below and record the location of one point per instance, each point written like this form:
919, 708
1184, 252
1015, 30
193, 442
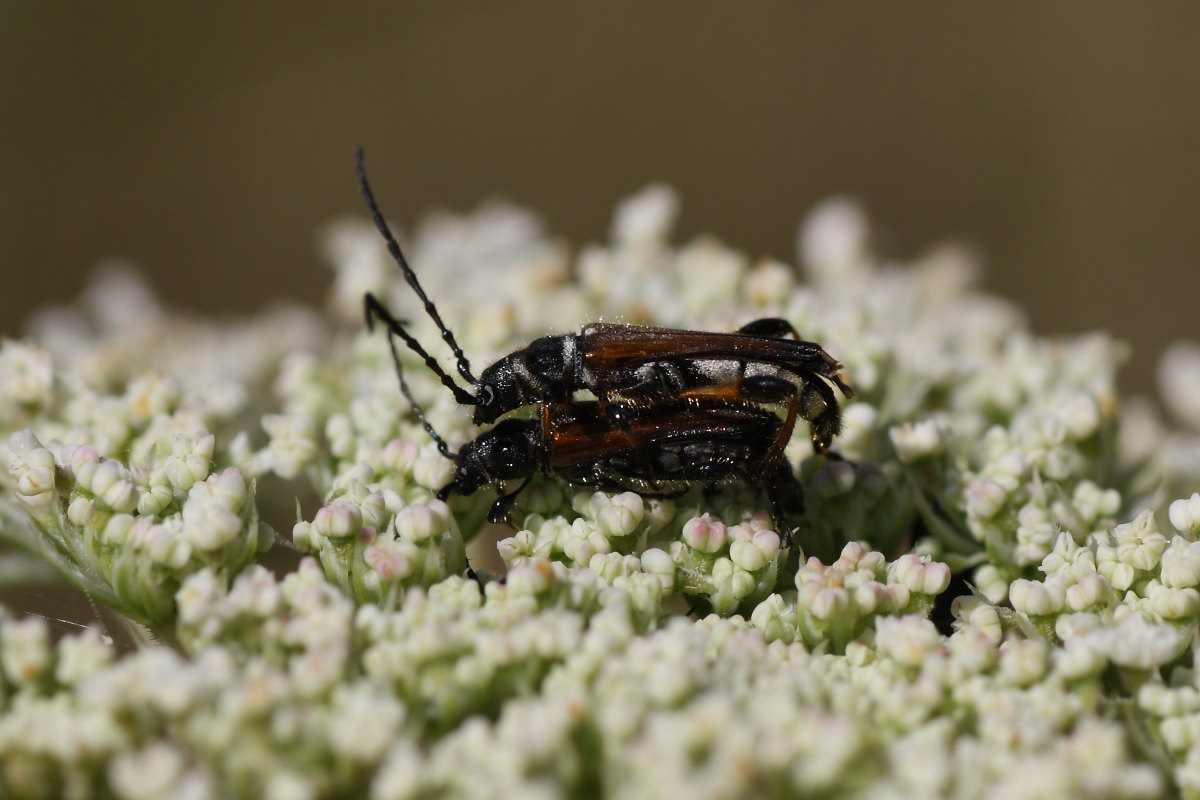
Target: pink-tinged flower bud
705, 534
389, 559
1091, 591
919, 574
84, 462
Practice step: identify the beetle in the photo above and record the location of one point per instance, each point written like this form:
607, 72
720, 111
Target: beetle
713, 437
624, 366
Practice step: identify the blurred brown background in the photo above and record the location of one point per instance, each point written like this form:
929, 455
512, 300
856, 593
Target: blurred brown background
208, 147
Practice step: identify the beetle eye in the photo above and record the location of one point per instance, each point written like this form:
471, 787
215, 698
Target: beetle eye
486, 395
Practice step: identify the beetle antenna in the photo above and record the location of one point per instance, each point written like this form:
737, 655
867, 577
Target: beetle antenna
464, 366
375, 309
442, 447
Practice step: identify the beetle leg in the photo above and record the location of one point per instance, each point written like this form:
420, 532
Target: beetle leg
773, 327
820, 408
504, 503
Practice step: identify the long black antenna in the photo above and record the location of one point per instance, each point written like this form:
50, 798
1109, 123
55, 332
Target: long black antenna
464, 366
376, 310
373, 309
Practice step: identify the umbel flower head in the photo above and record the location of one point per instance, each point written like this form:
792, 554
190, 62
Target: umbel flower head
993, 592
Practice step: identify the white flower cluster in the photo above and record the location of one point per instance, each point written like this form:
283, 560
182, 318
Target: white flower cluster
633, 646
128, 533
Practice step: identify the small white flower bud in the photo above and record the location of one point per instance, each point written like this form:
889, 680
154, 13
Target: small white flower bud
1185, 514
752, 550
833, 243
859, 421
165, 548
915, 441
339, 520
228, 488
305, 538
1079, 658
971, 612
658, 563
153, 501
907, 640
991, 583
870, 597
828, 602
419, 522
1173, 604
26, 373
618, 515
1023, 662
1080, 417
645, 218
1181, 563
293, 443
1137, 644
769, 284
1037, 598
208, 526
25, 652
84, 462
985, 498
36, 483
1094, 502
432, 470
1091, 591
154, 771
775, 619
190, 459
731, 580
113, 487
82, 655
80, 510
339, 432
1074, 626
150, 394
116, 531
393, 560
399, 455
919, 574
531, 578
